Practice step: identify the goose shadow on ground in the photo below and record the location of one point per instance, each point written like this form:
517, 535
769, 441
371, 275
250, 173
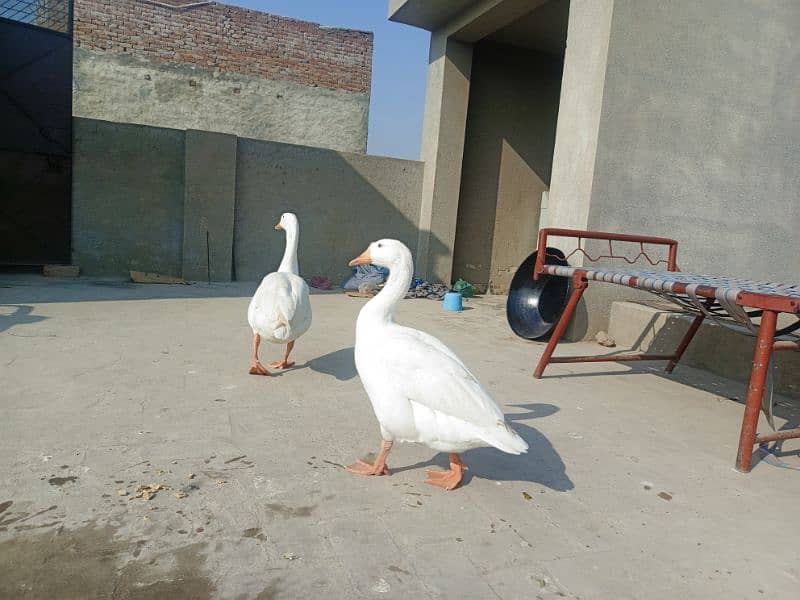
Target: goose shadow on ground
340, 364
542, 464
20, 314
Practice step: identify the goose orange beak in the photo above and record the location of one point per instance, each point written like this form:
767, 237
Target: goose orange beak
278, 227
362, 259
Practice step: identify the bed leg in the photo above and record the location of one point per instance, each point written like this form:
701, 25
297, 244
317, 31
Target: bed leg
755, 389
579, 287
698, 320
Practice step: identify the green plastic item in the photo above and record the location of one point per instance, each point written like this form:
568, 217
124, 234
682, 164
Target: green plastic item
465, 288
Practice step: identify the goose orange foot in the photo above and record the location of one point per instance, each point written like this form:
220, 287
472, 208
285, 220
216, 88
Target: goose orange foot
448, 480
281, 364
364, 468
256, 368
379, 467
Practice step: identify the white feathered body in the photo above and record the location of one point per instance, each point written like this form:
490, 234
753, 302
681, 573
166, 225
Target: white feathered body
422, 392
280, 311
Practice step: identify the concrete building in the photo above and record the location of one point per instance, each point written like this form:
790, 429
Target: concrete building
675, 119
185, 64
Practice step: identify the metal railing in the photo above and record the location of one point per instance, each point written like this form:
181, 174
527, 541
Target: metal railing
55, 15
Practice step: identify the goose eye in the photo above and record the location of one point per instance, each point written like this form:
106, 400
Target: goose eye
380, 245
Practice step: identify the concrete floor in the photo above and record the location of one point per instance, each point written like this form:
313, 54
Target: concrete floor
628, 489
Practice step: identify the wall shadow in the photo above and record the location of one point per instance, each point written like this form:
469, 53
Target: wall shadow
128, 211
344, 202
36, 289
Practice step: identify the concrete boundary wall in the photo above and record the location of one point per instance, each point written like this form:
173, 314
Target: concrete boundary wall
164, 200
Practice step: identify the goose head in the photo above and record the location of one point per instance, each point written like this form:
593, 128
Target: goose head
384, 253
288, 222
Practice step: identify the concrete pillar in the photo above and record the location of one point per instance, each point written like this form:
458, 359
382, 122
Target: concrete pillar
446, 102
579, 114
209, 199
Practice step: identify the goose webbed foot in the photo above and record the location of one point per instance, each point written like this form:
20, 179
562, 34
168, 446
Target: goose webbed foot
281, 364
379, 467
448, 480
256, 368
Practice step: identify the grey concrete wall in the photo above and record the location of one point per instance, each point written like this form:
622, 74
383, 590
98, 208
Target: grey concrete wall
127, 198
121, 88
697, 137
208, 206
508, 154
143, 198
344, 201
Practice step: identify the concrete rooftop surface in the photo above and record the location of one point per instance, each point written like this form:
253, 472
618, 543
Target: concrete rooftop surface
628, 489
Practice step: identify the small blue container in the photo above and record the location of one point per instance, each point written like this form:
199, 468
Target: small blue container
452, 301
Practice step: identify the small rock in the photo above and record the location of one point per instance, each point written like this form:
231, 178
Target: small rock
122, 492
181, 494
604, 339
290, 556
381, 586
191, 476
647, 485
527, 496
665, 496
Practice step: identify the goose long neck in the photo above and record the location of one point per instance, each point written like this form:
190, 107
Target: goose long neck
382, 307
289, 262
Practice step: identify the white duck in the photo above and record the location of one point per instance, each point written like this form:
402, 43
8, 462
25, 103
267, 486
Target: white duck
280, 310
419, 389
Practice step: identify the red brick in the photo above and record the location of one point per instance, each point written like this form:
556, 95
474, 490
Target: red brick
236, 40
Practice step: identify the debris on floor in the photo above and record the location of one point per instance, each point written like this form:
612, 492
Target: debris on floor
366, 274
143, 277
426, 289
320, 282
604, 339
465, 287
61, 270
149, 491
290, 556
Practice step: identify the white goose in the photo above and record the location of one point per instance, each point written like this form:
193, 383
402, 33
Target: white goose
280, 310
419, 389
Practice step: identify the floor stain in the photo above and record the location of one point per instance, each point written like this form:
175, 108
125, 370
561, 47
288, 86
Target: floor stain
255, 533
91, 562
270, 592
292, 511
395, 569
60, 481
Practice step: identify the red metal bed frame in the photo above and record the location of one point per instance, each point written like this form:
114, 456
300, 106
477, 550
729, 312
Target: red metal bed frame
769, 305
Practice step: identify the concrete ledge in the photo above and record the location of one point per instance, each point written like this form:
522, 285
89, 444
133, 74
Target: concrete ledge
714, 348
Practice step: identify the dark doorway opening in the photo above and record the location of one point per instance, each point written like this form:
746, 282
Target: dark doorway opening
35, 131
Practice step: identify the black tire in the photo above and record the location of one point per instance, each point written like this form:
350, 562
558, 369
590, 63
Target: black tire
534, 307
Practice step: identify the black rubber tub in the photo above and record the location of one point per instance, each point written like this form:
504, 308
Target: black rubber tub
534, 307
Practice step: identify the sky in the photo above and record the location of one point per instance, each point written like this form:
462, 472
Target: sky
399, 66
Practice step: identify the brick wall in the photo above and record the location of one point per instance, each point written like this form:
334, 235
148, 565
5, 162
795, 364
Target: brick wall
227, 39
